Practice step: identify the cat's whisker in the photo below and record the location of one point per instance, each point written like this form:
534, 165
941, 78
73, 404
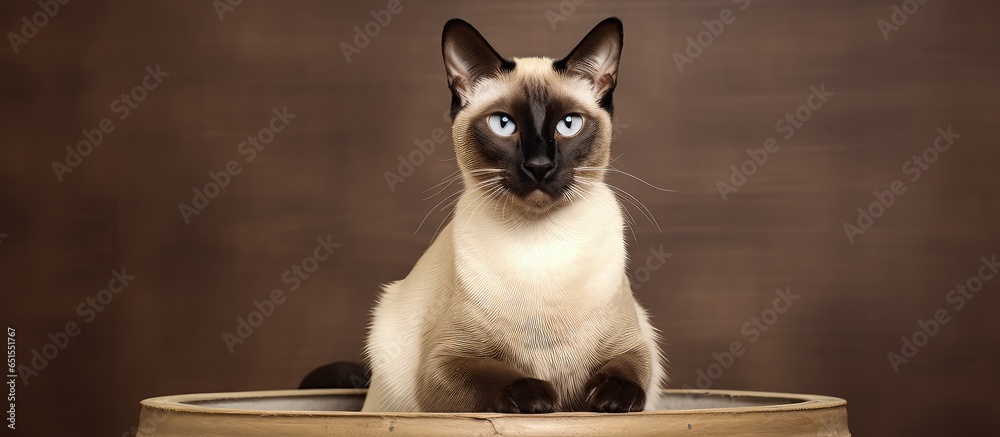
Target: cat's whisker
618, 192
503, 211
495, 196
481, 189
485, 196
648, 212
628, 215
638, 204
458, 176
580, 193
616, 170
491, 194
443, 221
450, 182
628, 219
612, 169
573, 194
450, 204
630, 223
458, 193
500, 195
451, 176
607, 205
616, 158
479, 185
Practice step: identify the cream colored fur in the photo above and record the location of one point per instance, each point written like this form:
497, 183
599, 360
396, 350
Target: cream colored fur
546, 280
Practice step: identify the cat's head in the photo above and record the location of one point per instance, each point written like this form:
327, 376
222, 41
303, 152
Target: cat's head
534, 131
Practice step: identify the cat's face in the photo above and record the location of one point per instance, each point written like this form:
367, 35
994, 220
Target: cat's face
533, 131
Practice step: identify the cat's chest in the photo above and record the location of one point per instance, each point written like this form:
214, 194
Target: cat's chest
551, 264
549, 353
552, 349
544, 297
554, 279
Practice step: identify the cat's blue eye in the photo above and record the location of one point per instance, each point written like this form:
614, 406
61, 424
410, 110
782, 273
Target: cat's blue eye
569, 125
502, 124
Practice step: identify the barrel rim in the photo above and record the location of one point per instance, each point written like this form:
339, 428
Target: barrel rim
180, 404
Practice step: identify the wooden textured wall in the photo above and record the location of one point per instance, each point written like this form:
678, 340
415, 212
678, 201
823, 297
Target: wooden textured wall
200, 78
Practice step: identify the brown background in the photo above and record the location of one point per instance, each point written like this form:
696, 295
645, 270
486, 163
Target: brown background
324, 175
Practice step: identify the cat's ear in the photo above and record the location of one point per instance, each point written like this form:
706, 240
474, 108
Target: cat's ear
467, 58
596, 57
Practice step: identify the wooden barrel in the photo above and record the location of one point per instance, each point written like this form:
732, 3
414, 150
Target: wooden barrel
308, 413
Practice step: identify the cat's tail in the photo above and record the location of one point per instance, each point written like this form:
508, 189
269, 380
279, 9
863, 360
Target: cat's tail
341, 374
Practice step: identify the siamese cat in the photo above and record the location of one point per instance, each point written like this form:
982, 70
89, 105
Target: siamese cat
521, 304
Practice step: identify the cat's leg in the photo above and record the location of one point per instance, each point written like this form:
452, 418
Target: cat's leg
460, 384
617, 386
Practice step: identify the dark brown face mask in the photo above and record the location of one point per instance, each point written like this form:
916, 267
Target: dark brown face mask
536, 135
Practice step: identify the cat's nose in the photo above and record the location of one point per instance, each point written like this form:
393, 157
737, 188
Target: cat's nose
539, 167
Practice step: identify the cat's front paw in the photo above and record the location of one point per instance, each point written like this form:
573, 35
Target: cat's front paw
527, 396
612, 394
